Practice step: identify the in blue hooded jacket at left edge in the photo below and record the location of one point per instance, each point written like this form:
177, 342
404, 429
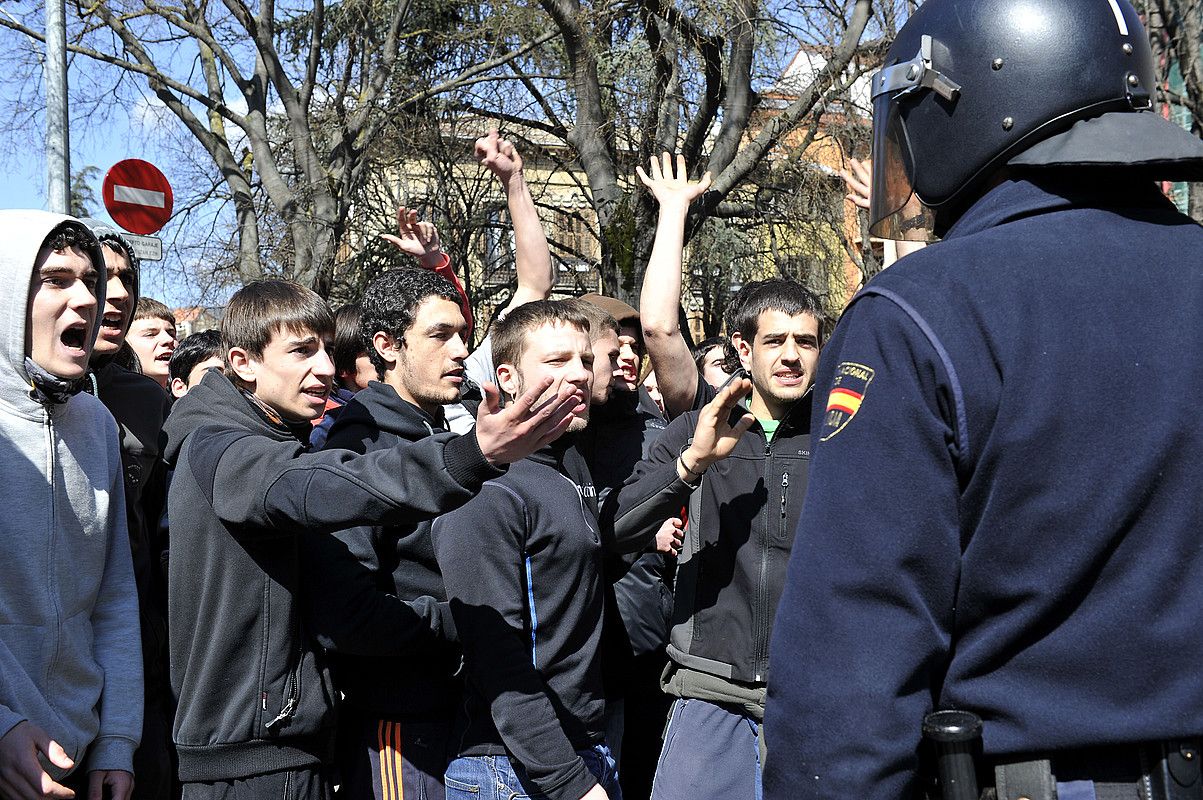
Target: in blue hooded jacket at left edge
70, 652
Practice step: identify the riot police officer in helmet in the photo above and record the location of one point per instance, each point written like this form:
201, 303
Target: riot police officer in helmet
1005, 474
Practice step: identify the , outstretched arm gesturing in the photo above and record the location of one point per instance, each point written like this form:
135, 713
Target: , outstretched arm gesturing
660, 298
532, 257
858, 178
420, 239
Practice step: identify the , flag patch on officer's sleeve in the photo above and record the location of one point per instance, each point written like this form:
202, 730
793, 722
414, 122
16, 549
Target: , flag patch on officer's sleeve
847, 393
